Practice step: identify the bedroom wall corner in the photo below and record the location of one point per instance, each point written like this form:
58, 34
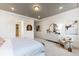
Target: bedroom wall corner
8, 22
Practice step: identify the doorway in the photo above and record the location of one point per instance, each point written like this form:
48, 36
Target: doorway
18, 29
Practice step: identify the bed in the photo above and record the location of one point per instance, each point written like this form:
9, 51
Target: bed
22, 47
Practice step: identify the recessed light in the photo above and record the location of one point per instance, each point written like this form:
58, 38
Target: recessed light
61, 7
12, 8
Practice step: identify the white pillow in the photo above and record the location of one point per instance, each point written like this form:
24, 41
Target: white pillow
1, 41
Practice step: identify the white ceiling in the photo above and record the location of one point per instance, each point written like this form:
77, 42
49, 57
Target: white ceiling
47, 9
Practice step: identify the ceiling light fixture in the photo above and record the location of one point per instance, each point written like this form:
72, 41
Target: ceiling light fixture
60, 8
36, 7
39, 17
12, 8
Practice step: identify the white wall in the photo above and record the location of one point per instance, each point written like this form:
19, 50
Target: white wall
8, 21
60, 19
29, 34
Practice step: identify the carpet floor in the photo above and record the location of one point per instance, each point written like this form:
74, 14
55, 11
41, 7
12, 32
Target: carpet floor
53, 49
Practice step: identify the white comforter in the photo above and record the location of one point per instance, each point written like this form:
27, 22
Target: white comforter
22, 47
6, 49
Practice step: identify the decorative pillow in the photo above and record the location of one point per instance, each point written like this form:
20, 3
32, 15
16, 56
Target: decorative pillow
1, 41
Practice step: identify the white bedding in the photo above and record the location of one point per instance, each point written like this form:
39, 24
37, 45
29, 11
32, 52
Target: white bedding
22, 47
6, 49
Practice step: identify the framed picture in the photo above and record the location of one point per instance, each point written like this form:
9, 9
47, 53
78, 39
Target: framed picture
29, 27
38, 28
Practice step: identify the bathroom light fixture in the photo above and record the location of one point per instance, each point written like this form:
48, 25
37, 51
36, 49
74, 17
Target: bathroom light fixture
12, 8
36, 7
61, 7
